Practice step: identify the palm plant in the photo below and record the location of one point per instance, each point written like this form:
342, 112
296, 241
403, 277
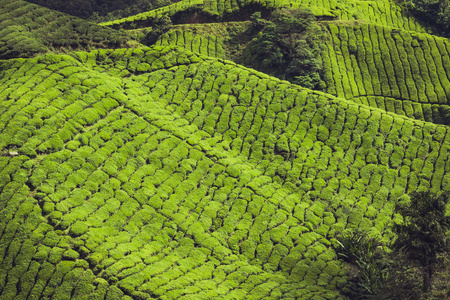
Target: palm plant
367, 256
422, 236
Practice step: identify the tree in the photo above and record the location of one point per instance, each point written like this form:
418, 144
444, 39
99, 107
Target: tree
433, 12
423, 234
160, 26
369, 269
288, 47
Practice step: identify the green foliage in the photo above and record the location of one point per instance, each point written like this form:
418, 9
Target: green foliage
434, 12
372, 271
164, 172
382, 55
288, 47
423, 234
160, 26
39, 35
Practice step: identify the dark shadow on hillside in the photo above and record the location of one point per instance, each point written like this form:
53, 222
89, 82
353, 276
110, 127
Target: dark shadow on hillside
108, 8
199, 16
196, 15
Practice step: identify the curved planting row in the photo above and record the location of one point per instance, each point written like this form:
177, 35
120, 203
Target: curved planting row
211, 45
117, 179
391, 69
175, 176
382, 13
266, 121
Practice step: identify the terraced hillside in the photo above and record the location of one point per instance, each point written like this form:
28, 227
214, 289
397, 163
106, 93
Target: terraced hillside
27, 29
170, 172
199, 39
395, 70
227, 183
390, 67
383, 12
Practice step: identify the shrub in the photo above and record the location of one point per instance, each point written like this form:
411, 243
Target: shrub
78, 228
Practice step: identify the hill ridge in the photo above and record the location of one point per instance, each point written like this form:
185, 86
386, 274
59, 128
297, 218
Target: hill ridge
158, 172
326, 10
28, 29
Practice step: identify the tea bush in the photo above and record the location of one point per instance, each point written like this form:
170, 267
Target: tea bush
27, 29
391, 53
195, 177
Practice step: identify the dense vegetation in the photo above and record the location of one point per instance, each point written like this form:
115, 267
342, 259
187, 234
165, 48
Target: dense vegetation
172, 172
397, 71
101, 9
434, 12
27, 29
419, 250
288, 47
422, 237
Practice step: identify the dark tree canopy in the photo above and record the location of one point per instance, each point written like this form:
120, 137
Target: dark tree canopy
288, 47
433, 12
423, 234
98, 8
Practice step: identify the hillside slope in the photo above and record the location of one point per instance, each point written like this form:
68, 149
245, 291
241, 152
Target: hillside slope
176, 176
384, 12
171, 172
392, 69
27, 29
375, 53
395, 70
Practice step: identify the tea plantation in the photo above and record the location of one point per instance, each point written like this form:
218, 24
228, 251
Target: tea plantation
395, 70
27, 29
171, 172
209, 45
381, 12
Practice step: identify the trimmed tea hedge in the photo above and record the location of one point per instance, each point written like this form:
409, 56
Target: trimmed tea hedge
27, 29
395, 70
157, 172
385, 12
210, 45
